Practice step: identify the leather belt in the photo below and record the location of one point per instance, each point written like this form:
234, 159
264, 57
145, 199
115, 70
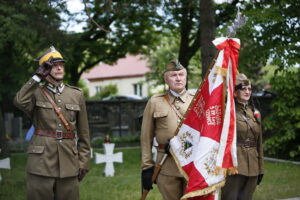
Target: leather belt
56, 134
247, 143
161, 146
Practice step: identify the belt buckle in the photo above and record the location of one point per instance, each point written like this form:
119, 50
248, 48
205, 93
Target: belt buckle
248, 142
59, 134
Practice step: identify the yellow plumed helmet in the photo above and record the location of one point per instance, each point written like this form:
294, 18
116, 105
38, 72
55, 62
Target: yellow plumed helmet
51, 52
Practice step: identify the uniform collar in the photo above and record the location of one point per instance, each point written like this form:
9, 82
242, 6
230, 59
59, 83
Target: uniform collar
55, 89
242, 105
182, 96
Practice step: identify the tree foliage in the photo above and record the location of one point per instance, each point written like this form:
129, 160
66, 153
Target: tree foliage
284, 121
26, 27
106, 91
128, 27
271, 35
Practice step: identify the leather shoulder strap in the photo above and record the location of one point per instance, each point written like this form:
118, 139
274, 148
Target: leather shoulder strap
57, 110
246, 120
173, 107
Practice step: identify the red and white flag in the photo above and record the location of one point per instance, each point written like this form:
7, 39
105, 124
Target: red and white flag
205, 144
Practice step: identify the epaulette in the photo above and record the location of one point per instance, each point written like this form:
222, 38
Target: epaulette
73, 87
159, 95
192, 94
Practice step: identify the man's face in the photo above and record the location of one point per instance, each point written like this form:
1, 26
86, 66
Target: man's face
58, 70
176, 80
243, 95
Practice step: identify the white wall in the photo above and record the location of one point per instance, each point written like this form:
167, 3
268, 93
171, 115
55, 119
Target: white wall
124, 85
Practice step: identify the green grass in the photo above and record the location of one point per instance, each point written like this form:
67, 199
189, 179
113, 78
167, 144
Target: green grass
281, 180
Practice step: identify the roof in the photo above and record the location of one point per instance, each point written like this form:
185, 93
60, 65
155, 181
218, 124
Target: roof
130, 66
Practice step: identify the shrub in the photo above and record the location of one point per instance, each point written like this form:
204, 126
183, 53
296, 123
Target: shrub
284, 121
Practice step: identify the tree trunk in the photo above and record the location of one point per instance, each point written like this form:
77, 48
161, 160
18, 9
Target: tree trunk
207, 24
3, 142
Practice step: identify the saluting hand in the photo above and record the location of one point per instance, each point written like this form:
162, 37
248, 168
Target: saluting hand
44, 69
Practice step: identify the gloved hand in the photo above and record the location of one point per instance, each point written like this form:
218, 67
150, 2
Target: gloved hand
167, 148
260, 177
81, 173
147, 178
44, 69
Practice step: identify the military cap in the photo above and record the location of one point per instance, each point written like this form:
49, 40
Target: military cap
51, 52
241, 80
173, 65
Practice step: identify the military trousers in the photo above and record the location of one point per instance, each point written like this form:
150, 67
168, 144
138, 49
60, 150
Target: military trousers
239, 187
51, 188
171, 187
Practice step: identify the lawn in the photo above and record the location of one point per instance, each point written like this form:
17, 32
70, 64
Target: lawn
281, 180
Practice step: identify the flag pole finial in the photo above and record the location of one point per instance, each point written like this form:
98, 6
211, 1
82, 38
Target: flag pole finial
238, 22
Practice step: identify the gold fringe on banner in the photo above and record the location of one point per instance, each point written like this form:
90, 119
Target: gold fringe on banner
229, 171
204, 191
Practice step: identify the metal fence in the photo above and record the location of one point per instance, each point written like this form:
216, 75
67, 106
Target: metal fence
123, 117
115, 117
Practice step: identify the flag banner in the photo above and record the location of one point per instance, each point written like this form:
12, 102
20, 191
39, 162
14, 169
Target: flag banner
204, 147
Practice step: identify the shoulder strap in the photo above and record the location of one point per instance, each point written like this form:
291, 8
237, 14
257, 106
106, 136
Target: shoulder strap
246, 120
57, 110
173, 107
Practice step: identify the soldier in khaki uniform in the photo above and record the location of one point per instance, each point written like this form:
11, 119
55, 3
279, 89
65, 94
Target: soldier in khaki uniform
160, 119
249, 146
59, 152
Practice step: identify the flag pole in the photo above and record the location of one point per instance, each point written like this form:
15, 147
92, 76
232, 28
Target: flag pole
238, 22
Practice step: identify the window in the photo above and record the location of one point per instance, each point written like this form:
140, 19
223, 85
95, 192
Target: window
98, 89
138, 89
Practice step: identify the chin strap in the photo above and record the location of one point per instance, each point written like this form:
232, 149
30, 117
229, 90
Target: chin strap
52, 80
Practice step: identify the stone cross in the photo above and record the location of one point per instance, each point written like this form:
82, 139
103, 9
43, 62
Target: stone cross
109, 158
4, 164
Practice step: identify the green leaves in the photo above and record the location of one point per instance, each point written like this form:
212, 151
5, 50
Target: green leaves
284, 121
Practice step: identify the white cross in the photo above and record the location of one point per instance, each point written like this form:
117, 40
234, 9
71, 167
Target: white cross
4, 164
109, 158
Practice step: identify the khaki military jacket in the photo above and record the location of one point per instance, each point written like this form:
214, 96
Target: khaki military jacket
161, 121
48, 156
250, 159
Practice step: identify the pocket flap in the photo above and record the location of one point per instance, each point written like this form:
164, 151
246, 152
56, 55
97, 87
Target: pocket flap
43, 104
35, 149
73, 107
160, 114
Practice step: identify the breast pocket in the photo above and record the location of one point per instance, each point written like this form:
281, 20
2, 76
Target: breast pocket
72, 110
44, 109
161, 119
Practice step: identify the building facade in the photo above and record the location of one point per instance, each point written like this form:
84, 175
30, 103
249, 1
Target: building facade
128, 74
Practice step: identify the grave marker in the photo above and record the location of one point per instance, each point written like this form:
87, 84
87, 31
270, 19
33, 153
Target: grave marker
109, 158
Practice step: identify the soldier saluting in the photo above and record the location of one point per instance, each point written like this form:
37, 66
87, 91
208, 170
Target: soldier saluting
59, 151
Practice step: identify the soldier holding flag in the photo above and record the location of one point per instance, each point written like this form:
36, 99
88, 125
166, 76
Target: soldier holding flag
161, 118
249, 145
